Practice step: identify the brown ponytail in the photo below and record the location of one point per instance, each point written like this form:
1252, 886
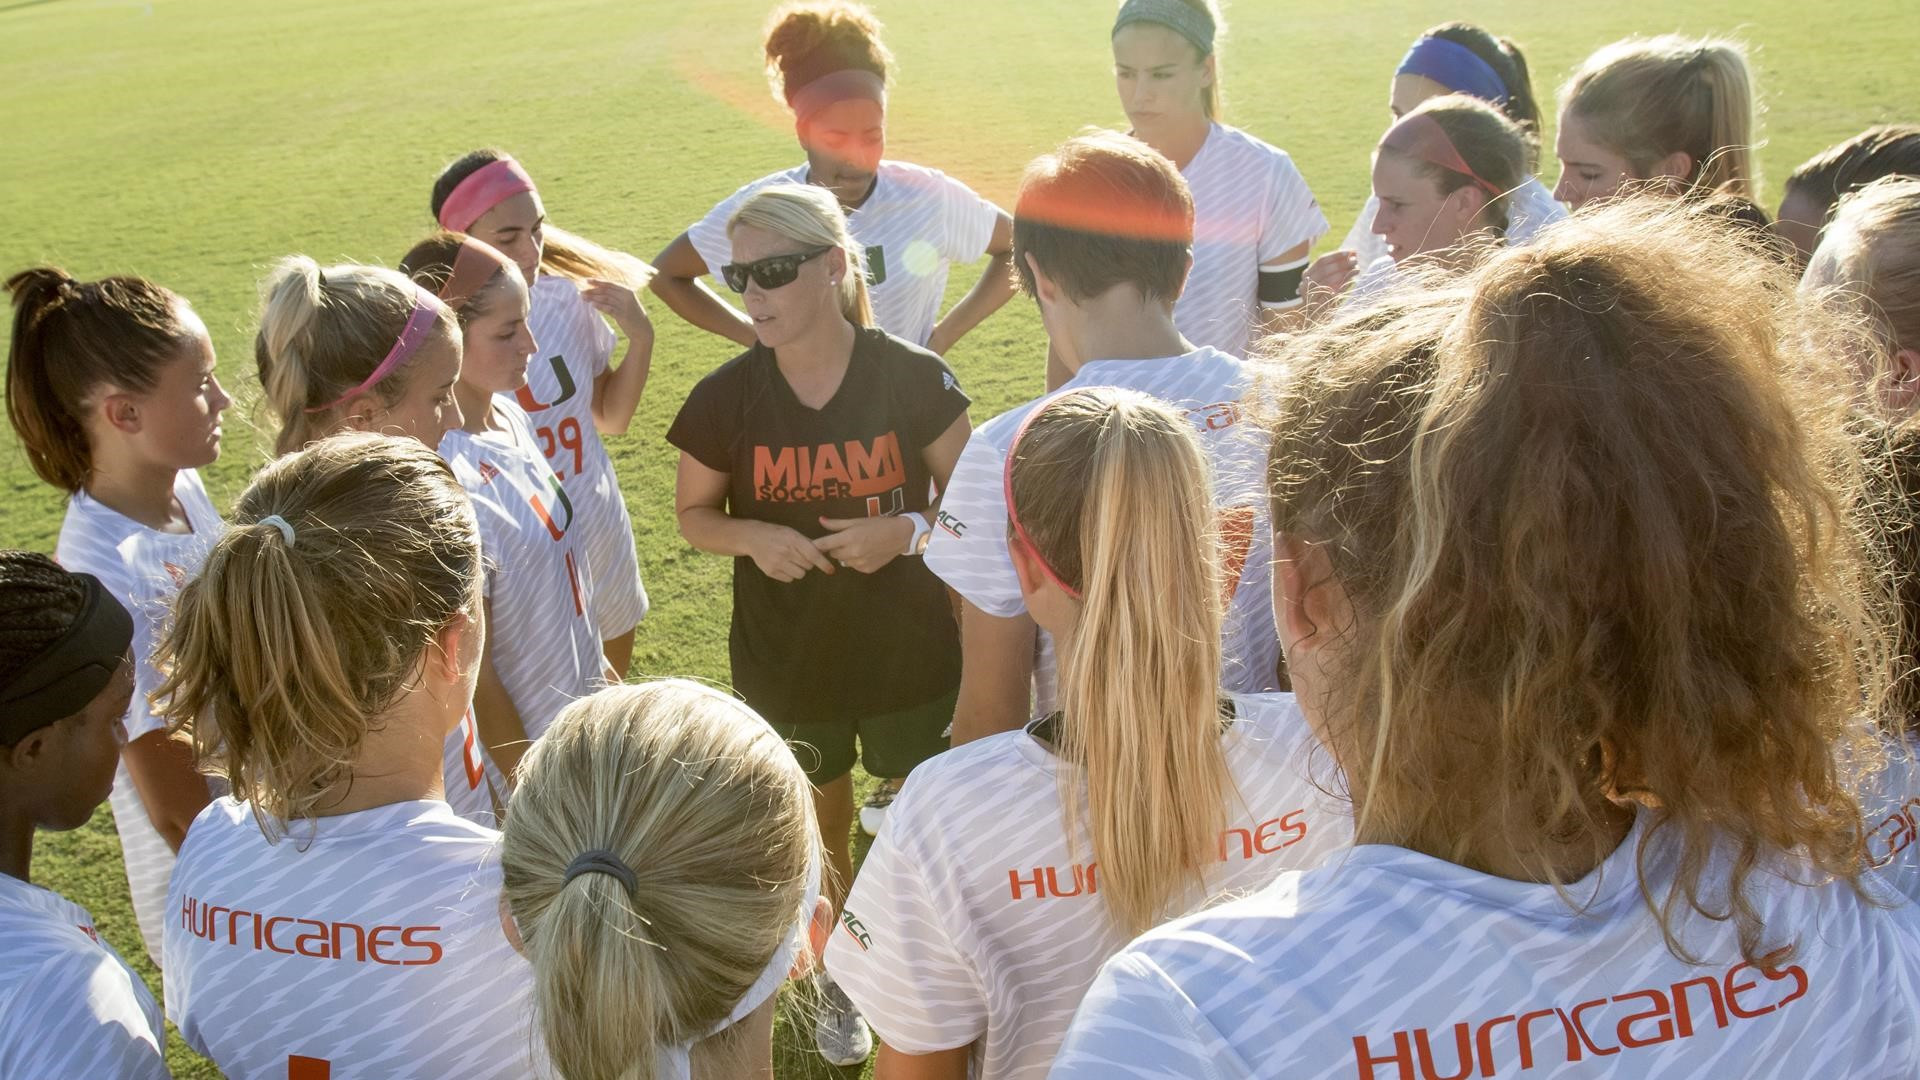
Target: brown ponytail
71, 339
1506, 59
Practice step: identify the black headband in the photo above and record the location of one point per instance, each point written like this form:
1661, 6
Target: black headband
70, 672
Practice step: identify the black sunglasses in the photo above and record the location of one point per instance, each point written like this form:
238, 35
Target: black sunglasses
770, 272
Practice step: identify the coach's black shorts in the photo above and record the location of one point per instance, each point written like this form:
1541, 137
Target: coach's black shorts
890, 744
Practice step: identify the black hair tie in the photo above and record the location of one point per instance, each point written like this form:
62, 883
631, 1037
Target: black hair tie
602, 861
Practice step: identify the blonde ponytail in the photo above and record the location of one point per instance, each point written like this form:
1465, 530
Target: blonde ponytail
812, 216
1730, 169
694, 796
1113, 489
323, 332
1646, 98
571, 256
295, 642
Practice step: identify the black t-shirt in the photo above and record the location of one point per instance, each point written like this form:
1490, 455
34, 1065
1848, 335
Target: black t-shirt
846, 645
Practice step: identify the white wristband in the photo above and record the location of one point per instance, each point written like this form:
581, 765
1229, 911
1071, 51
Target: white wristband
921, 527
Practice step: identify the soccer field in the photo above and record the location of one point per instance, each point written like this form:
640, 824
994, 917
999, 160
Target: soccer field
194, 141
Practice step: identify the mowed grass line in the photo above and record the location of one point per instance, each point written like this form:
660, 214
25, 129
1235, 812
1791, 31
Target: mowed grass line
195, 141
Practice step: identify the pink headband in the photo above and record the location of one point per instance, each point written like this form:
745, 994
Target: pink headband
473, 266
848, 84
484, 189
1422, 138
1013, 518
426, 314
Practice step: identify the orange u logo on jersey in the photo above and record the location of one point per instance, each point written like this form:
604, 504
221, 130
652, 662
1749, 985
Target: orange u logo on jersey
532, 404
558, 530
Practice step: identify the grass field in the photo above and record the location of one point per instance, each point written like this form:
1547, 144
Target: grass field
195, 141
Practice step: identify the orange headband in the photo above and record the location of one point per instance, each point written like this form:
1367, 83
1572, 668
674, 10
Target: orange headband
1013, 516
1421, 138
473, 266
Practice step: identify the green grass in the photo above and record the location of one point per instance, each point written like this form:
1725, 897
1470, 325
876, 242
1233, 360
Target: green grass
195, 141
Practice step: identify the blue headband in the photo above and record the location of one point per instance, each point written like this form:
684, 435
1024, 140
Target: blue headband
1455, 67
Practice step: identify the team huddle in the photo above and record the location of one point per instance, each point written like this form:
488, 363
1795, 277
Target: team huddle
1486, 648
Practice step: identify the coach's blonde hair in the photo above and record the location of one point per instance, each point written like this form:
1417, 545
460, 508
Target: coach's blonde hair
1645, 98
323, 332
811, 216
294, 650
1113, 489
1600, 518
707, 806
1871, 251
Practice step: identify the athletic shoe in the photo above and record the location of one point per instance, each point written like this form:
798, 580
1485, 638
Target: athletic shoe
873, 813
839, 1030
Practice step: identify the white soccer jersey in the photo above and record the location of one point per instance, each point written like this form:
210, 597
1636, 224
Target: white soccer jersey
1892, 806
546, 650
69, 1006
975, 919
362, 945
1385, 964
575, 347
968, 549
1531, 209
475, 786
914, 226
1250, 206
143, 568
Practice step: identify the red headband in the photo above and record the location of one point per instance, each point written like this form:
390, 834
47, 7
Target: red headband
482, 190
1013, 517
1421, 138
473, 266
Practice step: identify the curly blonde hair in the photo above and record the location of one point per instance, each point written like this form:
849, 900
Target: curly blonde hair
294, 647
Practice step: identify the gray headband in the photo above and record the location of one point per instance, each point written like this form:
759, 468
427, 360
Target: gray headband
1183, 19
